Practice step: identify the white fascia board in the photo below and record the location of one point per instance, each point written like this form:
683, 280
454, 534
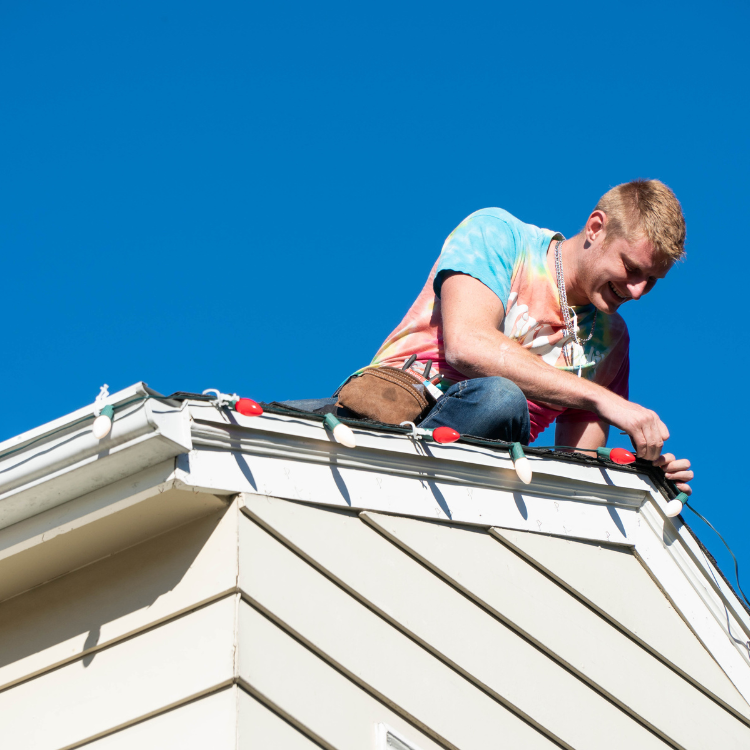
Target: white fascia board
288, 427
307, 441
96, 525
296, 458
696, 589
61, 460
673, 535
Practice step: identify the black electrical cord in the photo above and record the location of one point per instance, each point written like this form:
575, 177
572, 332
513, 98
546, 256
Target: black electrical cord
729, 549
67, 426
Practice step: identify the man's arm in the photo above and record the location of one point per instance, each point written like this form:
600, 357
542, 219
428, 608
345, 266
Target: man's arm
471, 317
582, 434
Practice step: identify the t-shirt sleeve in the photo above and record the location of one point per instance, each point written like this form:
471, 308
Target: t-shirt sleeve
484, 247
619, 385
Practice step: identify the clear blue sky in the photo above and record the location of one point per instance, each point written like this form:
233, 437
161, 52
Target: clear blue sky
248, 196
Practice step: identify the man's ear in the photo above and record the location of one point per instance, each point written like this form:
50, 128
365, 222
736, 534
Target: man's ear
596, 226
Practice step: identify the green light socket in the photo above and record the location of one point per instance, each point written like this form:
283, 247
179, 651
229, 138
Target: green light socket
516, 451
331, 421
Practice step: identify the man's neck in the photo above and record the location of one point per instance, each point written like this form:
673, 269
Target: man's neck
572, 251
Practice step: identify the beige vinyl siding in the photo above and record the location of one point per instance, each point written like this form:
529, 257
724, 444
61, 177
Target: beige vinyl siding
118, 596
491, 678
208, 723
324, 703
119, 650
613, 581
567, 630
229, 719
262, 729
377, 656
479, 609
163, 667
292, 626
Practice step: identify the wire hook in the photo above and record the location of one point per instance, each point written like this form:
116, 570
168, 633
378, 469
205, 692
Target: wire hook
414, 432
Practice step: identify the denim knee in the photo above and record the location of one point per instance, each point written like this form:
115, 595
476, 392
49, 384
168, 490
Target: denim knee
502, 390
492, 407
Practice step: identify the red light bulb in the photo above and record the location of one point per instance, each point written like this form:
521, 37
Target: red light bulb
248, 407
445, 435
621, 456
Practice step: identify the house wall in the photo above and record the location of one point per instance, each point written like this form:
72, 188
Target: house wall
122, 639
229, 718
142, 648
280, 624
471, 640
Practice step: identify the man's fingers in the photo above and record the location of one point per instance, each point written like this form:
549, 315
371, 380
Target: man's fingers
655, 433
661, 436
649, 451
679, 476
664, 459
678, 470
647, 432
648, 447
654, 451
641, 444
654, 445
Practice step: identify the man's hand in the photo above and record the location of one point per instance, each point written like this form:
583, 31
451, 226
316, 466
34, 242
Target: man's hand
678, 470
643, 426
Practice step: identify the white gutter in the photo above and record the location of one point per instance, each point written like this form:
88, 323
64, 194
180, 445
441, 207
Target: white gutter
61, 460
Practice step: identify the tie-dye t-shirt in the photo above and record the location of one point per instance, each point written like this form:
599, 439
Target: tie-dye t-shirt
510, 258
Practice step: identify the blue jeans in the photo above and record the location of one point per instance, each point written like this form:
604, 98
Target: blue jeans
492, 408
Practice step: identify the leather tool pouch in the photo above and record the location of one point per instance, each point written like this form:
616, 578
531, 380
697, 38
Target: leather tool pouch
387, 395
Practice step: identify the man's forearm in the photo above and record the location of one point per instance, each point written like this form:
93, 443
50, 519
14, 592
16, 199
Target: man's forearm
493, 353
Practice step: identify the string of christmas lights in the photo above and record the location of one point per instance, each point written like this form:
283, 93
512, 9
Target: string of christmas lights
104, 418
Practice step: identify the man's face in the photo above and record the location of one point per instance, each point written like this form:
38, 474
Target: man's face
620, 272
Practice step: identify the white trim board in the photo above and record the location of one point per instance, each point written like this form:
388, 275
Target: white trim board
49, 469
97, 524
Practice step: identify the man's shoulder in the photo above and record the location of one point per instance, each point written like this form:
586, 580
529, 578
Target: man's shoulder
617, 326
498, 214
500, 219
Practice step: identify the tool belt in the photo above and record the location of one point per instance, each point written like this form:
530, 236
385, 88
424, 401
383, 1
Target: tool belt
387, 394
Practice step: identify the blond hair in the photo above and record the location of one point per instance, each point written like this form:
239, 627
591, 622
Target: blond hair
645, 208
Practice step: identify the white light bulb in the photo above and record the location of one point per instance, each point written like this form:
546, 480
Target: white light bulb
101, 427
342, 434
523, 469
674, 508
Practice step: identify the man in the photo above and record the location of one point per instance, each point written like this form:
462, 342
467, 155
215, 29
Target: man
523, 325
